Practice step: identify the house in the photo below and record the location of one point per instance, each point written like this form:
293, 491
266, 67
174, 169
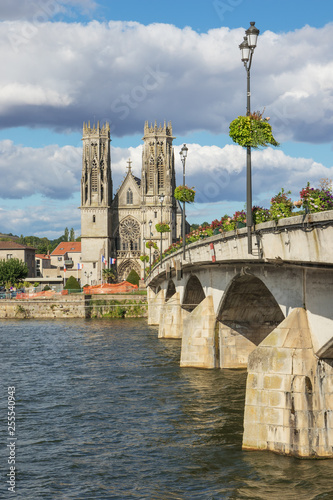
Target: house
66, 257
13, 250
42, 263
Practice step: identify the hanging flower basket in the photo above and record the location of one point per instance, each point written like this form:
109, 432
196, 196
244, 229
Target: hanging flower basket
151, 244
184, 193
144, 258
252, 131
162, 228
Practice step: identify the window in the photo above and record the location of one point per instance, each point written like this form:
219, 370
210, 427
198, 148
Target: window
129, 197
62, 248
59, 259
94, 265
9, 256
155, 214
94, 218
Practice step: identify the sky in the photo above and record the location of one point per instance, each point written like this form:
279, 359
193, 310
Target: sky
65, 62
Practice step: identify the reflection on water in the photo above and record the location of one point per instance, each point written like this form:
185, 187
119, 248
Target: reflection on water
105, 412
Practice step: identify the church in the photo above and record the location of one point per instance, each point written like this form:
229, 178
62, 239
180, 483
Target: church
115, 229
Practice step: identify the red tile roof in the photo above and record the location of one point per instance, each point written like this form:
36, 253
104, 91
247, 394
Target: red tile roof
67, 246
12, 245
42, 256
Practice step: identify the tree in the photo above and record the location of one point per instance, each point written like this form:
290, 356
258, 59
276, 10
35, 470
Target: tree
109, 275
72, 284
133, 278
66, 234
12, 270
72, 235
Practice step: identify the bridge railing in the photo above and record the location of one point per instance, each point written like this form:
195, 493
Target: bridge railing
303, 238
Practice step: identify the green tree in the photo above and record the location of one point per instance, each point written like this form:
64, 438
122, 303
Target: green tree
133, 278
72, 284
109, 275
72, 235
66, 234
12, 270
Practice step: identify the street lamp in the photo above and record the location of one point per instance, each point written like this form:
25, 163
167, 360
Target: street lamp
88, 275
161, 198
149, 224
183, 155
144, 257
247, 48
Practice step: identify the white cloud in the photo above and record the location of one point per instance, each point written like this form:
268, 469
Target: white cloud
59, 75
52, 174
52, 171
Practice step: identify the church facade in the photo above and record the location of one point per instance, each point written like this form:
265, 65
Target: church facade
115, 229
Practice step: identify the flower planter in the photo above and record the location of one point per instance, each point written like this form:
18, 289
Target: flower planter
184, 194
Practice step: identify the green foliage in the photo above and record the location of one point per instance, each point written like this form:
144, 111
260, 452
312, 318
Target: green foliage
184, 193
12, 270
36, 284
46, 288
66, 234
72, 235
252, 131
260, 214
72, 284
151, 244
133, 278
110, 275
144, 258
162, 228
316, 200
281, 205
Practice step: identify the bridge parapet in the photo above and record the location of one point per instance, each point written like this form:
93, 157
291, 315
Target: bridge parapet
304, 239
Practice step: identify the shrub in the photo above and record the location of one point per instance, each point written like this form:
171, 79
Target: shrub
133, 278
281, 205
72, 284
260, 214
316, 200
46, 288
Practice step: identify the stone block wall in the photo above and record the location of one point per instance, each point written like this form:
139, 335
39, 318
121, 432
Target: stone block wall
289, 394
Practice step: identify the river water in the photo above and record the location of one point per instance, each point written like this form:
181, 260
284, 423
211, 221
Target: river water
103, 411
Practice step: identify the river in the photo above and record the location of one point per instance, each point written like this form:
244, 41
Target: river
103, 411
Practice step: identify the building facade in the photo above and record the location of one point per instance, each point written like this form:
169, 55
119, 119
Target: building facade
116, 229
12, 250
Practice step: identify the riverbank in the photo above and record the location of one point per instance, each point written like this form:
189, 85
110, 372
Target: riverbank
76, 306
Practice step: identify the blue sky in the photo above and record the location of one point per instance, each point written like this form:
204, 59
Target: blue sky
69, 61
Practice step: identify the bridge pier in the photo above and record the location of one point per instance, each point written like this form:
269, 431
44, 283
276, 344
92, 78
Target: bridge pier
289, 394
198, 340
171, 318
155, 306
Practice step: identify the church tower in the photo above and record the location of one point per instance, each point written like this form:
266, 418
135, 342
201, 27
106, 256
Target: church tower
96, 199
158, 178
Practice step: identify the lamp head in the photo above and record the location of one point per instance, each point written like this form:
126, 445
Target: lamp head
161, 198
183, 152
150, 223
252, 36
244, 47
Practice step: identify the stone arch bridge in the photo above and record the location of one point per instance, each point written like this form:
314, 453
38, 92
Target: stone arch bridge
270, 311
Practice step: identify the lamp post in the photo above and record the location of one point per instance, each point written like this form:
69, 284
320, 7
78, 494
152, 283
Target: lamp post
161, 198
87, 275
247, 48
183, 155
144, 256
150, 223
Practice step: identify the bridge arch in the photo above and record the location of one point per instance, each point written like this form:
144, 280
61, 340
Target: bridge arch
249, 308
193, 294
171, 290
